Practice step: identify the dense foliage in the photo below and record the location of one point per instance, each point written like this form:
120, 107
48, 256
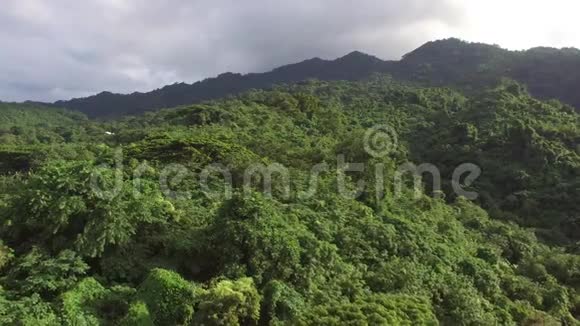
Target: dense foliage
137, 247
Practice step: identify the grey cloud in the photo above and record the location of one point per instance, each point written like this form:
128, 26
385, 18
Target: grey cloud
57, 49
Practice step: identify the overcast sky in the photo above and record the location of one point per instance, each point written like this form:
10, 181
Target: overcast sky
59, 49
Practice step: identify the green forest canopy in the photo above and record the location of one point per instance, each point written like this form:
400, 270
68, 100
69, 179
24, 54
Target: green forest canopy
187, 257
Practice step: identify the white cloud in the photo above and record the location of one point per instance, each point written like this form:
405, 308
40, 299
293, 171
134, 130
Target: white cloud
521, 24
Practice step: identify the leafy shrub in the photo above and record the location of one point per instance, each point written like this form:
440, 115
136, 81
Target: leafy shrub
169, 298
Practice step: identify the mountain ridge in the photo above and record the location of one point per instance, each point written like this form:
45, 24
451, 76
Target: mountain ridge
449, 62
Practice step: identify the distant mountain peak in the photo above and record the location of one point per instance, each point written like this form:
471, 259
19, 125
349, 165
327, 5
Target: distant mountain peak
451, 47
315, 59
358, 56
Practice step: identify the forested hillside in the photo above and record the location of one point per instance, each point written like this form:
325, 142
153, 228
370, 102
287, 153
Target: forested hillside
548, 74
120, 223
